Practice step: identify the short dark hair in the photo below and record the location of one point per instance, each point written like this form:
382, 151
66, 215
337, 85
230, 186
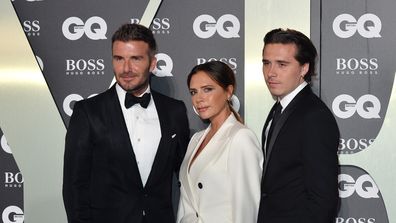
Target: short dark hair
128, 32
306, 51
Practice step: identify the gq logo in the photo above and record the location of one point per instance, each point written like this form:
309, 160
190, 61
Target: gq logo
227, 26
368, 26
94, 28
364, 186
164, 65
368, 106
5, 145
12, 214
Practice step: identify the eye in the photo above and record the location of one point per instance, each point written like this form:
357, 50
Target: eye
207, 89
116, 58
282, 64
193, 92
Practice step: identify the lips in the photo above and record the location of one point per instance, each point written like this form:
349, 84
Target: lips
202, 109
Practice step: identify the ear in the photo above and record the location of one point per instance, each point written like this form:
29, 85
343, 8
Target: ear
304, 69
153, 63
230, 91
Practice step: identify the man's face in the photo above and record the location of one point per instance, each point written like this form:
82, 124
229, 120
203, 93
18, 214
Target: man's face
132, 65
282, 72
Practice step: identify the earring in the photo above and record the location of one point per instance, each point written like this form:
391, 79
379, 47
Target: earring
195, 110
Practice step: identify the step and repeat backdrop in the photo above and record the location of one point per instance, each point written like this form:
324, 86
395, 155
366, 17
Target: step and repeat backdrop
357, 42
71, 42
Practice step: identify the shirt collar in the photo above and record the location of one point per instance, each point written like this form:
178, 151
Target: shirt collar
285, 101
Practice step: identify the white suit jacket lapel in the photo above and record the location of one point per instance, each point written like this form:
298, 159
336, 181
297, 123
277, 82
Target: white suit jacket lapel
212, 150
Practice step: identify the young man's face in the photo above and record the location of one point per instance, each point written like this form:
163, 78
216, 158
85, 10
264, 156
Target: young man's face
282, 72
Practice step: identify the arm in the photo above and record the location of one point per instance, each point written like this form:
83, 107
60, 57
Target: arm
245, 168
77, 168
320, 144
184, 134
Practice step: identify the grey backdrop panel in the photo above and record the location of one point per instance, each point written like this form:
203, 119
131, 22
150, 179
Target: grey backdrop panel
356, 41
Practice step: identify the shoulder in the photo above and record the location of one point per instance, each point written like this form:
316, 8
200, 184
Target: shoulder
99, 100
241, 136
162, 97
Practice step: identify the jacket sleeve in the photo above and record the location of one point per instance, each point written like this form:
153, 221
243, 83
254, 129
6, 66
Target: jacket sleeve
320, 160
245, 168
184, 134
77, 168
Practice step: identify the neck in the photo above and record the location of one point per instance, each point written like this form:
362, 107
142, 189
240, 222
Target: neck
219, 120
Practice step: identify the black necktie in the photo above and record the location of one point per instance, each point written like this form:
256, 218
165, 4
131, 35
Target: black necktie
275, 117
130, 100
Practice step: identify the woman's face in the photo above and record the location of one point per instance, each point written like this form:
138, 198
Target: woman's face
209, 98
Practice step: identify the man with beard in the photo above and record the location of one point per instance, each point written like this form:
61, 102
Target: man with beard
123, 145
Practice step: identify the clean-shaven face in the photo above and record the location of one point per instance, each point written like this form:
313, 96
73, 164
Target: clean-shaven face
282, 72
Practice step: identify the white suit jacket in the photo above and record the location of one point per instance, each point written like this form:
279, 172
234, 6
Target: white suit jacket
223, 183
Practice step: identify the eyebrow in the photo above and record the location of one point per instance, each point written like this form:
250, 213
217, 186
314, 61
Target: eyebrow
209, 85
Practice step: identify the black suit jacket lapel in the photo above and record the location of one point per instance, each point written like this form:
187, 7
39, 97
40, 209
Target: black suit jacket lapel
160, 159
285, 115
263, 138
120, 136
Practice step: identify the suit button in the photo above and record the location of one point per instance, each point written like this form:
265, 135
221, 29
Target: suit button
200, 185
264, 195
145, 195
178, 183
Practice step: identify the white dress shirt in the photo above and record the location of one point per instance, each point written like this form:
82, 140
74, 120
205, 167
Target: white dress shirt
144, 132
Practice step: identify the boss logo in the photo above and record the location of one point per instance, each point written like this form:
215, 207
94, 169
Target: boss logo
158, 25
94, 28
164, 65
232, 62
227, 26
352, 65
364, 186
80, 66
368, 106
12, 214
13, 180
354, 220
70, 100
353, 145
368, 26
31, 28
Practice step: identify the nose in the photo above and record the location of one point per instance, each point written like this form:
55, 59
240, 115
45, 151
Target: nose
128, 66
198, 97
269, 71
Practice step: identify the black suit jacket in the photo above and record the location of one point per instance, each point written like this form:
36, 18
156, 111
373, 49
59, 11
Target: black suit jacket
101, 178
300, 174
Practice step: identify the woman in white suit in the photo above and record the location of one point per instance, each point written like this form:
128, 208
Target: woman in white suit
221, 172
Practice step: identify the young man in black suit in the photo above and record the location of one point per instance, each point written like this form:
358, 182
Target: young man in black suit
300, 137
123, 145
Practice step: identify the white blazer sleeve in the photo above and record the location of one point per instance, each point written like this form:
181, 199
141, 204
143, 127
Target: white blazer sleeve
245, 167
